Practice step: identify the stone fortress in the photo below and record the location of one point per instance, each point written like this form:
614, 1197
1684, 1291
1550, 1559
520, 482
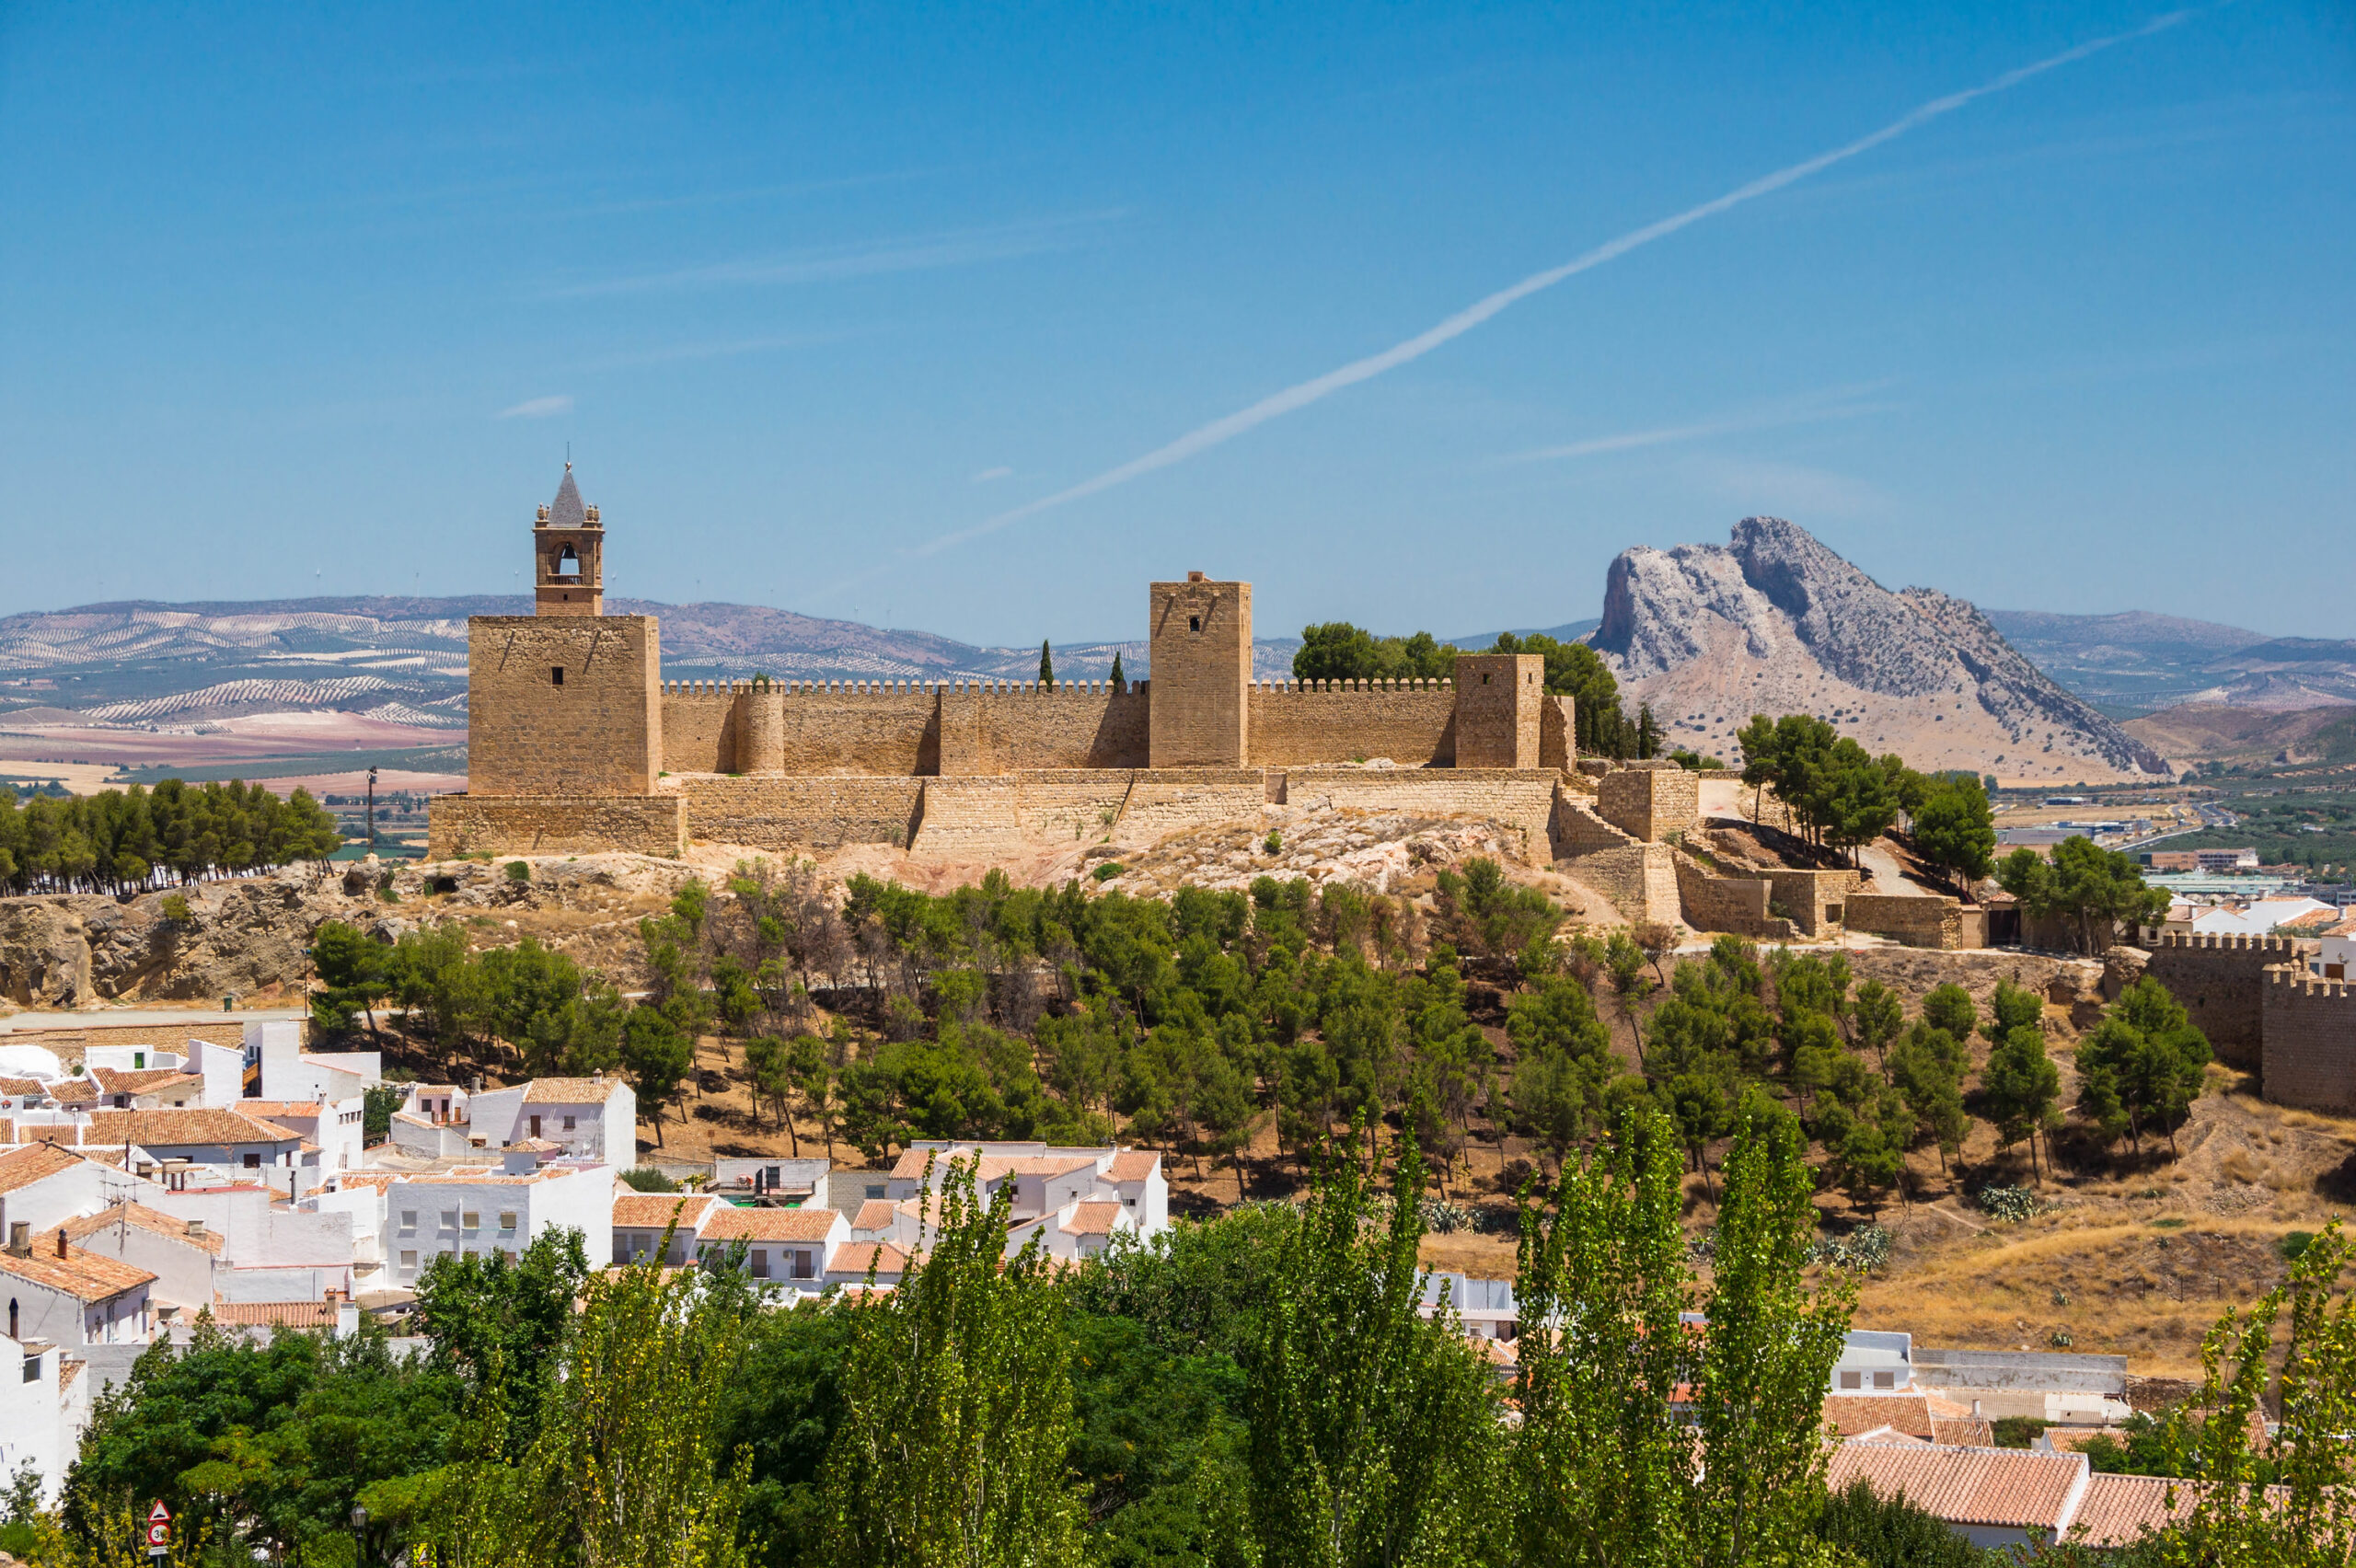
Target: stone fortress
576, 741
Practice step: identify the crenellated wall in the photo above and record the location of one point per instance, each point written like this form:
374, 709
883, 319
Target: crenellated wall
699, 727
2221, 982
1296, 723
2309, 1058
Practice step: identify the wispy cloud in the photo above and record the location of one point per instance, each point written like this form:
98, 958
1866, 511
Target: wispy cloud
722, 348
1837, 403
538, 408
962, 247
987, 475
1294, 399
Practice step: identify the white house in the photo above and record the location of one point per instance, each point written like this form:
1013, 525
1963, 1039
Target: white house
591, 1118
435, 1122
269, 1250
1044, 1183
289, 1072
43, 1411
229, 1145
153, 1089
787, 1246
43, 1185
849, 1264
61, 1293
335, 1128
182, 1254
2258, 918
640, 1221
483, 1209
2339, 951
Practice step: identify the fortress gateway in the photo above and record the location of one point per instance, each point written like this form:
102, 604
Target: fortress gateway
575, 743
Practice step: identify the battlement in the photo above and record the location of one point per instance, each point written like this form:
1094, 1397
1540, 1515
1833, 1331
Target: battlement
2309, 1056
1299, 688
2298, 977
961, 687
2282, 948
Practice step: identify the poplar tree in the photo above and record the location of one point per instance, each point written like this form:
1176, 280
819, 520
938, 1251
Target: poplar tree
958, 1406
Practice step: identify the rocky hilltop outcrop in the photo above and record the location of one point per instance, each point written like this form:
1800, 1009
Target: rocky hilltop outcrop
1774, 622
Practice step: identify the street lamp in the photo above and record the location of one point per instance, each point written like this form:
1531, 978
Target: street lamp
359, 1528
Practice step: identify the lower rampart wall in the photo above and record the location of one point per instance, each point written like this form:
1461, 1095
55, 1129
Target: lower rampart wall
1924, 920
783, 813
1813, 901
1523, 798
1714, 902
554, 824
2309, 1056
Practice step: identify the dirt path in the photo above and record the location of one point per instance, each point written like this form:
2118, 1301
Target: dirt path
1889, 876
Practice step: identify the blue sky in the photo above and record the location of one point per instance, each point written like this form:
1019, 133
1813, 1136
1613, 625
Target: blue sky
298, 302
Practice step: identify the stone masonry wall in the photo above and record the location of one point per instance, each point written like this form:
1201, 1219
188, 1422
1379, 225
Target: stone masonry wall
1715, 902
598, 732
1165, 801
1933, 920
2221, 982
1074, 726
2309, 1059
1649, 803
785, 813
1497, 708
699, 727
554, 824
1810, 900
1557, 733
1523, 796
1296, 724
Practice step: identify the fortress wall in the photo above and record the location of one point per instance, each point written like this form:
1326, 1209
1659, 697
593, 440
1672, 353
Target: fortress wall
2309, 1025
700, 724
1295, 724
1557, 733
1649, 803
1934, 920
1523, 798
1077, 725
2221, 982
1639, 879
888, 727
1072, 806
1714, 902
1810, 900
554, 824
1164, 800
596, 732
784, 812
971, 816
1579, 831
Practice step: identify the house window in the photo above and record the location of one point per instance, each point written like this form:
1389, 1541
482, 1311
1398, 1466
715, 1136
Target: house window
775, 1175
802, 1266
567, 1123
1852, 1379
760, 1264
409, 1259
32, 1367
1885, 1380
408, 1219
473, 1221
253, 1163
875, 1192
535, 1126
507, 1221
138, 1060
450, 1220
556, 675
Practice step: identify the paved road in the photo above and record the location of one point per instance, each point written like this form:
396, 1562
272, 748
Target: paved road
1888, 877
16, 1022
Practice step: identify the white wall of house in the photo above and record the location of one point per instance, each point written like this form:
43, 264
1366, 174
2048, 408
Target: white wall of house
336, 1126
84, 1187
364, 1204
130, 1058
43, 1312
223, 1068
38, 1424
289, 1072
493, 1113
493, 1212
603, 1130
184, 1275
258, 1234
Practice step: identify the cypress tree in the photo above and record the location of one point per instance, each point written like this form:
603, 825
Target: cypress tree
1116, 671
1047, 666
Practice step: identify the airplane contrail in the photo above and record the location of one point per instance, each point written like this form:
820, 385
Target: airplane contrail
1300, 397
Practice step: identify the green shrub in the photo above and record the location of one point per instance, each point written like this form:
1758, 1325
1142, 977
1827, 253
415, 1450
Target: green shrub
646, 1179
2017, 1431
2010, 1203
517, 872
1108, 870
1274, 842
2293, 1244
1891, 1532
176, 908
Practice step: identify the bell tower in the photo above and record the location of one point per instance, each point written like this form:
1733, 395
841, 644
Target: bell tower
568, 547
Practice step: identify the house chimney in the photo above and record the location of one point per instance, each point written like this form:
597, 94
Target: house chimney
61, 1240
20, 1239
196, 1229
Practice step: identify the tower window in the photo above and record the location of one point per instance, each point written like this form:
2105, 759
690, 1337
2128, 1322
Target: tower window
568, 562
1484, 678
556, 675
1194, 623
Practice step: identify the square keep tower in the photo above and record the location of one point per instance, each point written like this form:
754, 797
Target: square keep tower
1498, 699
1198, 707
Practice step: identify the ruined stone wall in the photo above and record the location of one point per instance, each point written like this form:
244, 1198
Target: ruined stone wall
1712, 902
1578, 830
2221, 982
785, 813
1649, 803
1639, 879
1523, 798
1297, 725
1557, 733
700, 727
1810, 900
2309, 1025
554, 824
1933, 920
597, 731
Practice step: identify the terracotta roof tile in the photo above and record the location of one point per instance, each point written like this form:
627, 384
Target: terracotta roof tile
181, 1127
34, 1162
1962, 1432
772, 1224
87, 1276
1852, 1415
23, 1089
276, 1314
144, 1218
652, 1211
2118, 1508
293, 1110
570, 1090
144, 1080
852, 1257
1999, 1487
1133, 1165
1092, 1219
876, 1214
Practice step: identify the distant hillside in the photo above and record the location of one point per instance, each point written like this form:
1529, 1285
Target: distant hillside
2214, 732
2136, 663
1774, 622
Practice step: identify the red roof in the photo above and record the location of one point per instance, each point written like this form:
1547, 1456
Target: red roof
2001, 1487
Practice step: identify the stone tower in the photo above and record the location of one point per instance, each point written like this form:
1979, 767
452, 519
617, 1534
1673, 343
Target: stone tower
1498, 709
1200, 713
568, 547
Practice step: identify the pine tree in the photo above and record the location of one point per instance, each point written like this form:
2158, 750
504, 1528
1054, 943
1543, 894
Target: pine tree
1046, 667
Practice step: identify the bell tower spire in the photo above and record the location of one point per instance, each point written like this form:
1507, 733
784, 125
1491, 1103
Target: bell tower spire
568, 550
